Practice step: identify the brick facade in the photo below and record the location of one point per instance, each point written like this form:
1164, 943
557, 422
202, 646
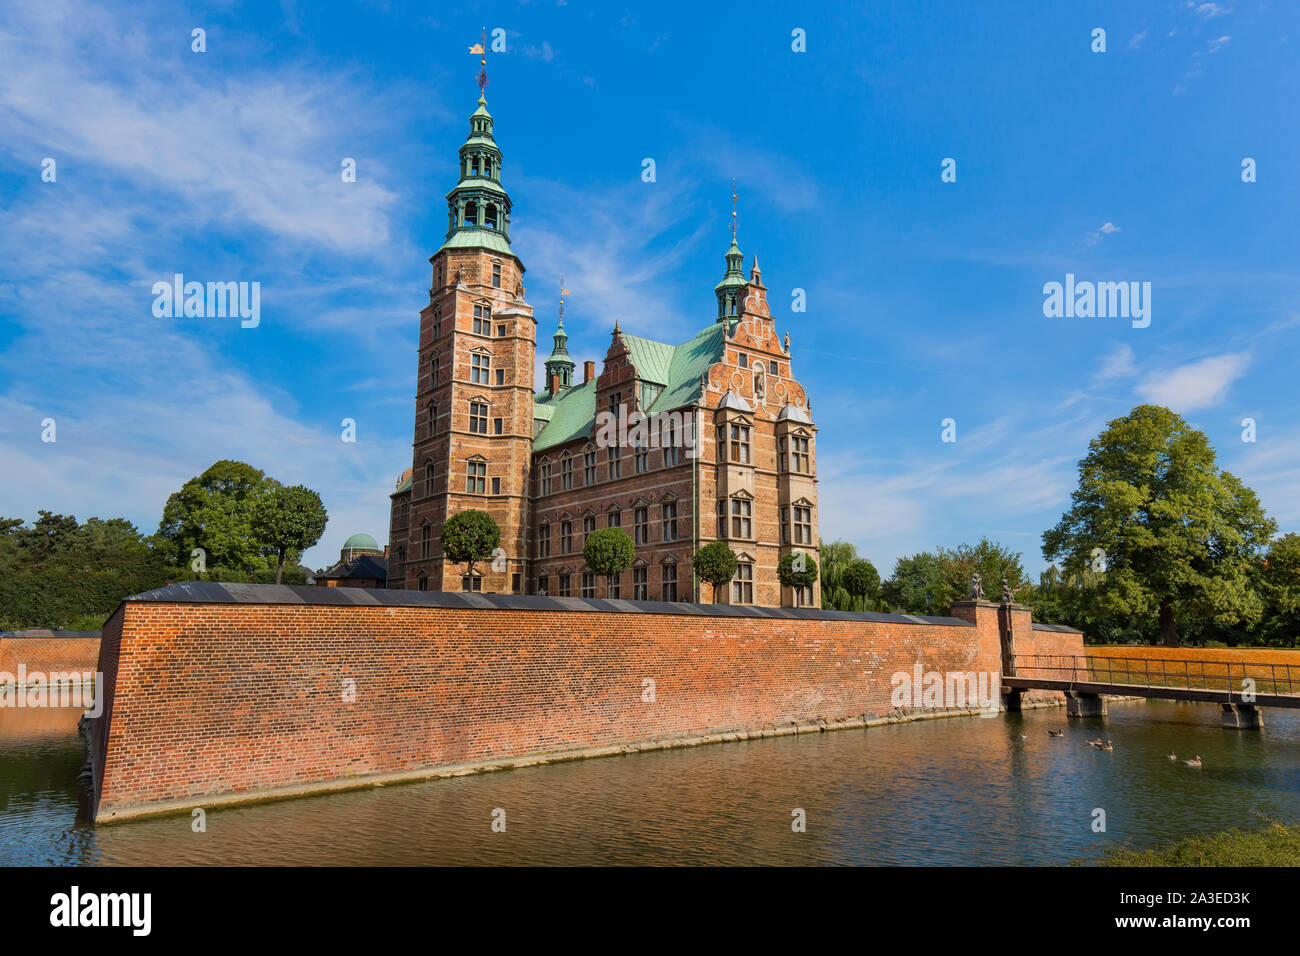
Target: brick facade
214, 701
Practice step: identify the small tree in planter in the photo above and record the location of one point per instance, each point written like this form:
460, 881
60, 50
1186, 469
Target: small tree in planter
608, 551
470, 536
797, 569
715, 563
862, 580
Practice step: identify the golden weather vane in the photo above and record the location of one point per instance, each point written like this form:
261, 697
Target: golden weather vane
733, 209
481, 49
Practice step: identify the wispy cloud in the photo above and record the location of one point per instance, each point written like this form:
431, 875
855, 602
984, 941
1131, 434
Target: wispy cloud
1196, 385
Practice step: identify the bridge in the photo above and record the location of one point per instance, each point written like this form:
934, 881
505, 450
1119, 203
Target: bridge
1239, 688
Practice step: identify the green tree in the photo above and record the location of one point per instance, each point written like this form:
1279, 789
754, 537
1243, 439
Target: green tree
1177, 539
1279, 582
797, 569
992, 561
715, 563
862, 581
608, 552
288, 520
214, 512
836, 557
470, 536
919, 585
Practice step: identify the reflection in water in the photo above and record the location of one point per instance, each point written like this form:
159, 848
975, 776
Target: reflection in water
966, 790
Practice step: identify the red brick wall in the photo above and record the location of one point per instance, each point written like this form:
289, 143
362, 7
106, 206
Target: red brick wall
48, 654
230, 699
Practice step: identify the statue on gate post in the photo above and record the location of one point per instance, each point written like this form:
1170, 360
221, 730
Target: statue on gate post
1007, 596
976, 587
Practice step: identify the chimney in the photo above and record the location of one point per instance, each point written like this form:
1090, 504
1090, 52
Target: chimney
554, 385
588, 372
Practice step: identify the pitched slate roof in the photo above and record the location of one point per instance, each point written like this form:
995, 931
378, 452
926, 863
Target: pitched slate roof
366, 566
679, 369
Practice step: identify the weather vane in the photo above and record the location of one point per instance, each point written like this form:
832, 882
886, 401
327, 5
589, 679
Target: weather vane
481, 49
563, 293
733, 209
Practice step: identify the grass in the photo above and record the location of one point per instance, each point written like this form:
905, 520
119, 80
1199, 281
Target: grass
1276, 845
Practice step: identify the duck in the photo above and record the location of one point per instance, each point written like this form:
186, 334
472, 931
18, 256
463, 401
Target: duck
1172, 755
1106, 746
1194, 763
1056, 733
1096, 743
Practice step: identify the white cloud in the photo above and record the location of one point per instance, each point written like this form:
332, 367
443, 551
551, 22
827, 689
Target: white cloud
1195, 385
1117, 364
1219, 44
1208, 11
1135, 42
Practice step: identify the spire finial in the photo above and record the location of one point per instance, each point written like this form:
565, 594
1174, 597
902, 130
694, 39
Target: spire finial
481, 49
733, 208
563, 293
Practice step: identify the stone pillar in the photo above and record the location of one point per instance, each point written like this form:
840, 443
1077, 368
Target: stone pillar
1242, 717
1084, 705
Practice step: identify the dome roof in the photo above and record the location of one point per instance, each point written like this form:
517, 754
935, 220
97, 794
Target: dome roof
361, 542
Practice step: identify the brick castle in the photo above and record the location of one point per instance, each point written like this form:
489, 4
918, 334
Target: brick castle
717, 441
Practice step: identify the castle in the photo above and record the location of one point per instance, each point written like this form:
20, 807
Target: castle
680, 445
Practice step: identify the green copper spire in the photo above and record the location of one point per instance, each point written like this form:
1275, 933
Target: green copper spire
559, 364
733, 281
478, 208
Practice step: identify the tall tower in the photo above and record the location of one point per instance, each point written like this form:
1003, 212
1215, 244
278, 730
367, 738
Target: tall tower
474, 398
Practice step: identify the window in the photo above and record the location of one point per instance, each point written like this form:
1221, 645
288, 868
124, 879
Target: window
743, 359
742, 586
496, 266
741, 525
478, 417
642, 456
799, 457
489, 215
422, 583
640, 584
482, 320
722, 517
588, 584
641, 525
803, 596
668, 510
802, 525
471, 214
589, 467
669, 573
434, 373
649, 393
501, 376
785, 525
615, 400
428, 477
739, 444
613, 586
615, 519
496, 486
544, 478
431, 419
501, 331
566, 537
480, 368
781, 464
471, 582
544, 540
498, 425
588, 526
543, 584
514, 582
476, 477
565, 588
566, 474
671, 451
615, 463
426, 541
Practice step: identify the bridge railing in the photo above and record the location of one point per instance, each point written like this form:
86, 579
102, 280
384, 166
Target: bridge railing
1177, 673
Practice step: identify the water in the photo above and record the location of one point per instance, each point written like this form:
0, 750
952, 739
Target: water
965, 790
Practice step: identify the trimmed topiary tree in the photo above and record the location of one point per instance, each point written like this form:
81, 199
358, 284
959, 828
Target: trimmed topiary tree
608, 551
797, 569
715, 563
287, 519
862, 580
470, 536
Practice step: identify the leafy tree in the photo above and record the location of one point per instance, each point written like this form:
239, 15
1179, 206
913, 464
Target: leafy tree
1176, 538
919, 585
715, 563
608, 552
862, 581
797, 569
992, 561
288, 519
469, 536
61, 574
214, 511
836, 557
1279, 581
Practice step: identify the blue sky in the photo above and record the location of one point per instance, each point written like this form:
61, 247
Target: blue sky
924, 298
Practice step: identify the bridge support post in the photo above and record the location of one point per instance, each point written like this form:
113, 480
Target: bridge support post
1011, 700
1084, 705
1242, 717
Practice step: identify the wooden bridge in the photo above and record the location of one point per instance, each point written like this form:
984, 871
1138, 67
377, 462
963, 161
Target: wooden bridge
1239, 688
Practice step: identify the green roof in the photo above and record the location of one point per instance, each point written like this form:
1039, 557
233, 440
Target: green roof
478, 239
680, 369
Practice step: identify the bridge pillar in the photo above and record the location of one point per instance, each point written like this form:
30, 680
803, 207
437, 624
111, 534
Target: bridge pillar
1242, 717
1084, 705
1011, 700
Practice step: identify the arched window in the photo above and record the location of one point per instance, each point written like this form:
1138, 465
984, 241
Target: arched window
431, 413
490, 216
471, 213
429, 472
473, 166
487, 166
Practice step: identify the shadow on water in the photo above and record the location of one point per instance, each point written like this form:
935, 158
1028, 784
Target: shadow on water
965, 790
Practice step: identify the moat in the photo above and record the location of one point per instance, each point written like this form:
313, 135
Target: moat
964, 790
